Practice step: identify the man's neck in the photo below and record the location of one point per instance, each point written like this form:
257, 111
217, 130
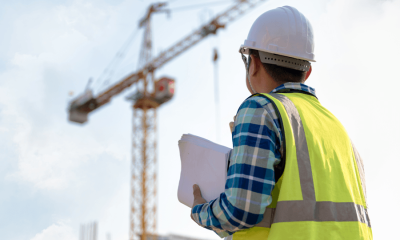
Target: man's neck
266, 84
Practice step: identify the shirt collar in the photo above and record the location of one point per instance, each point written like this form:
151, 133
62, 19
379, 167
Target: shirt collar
295, 86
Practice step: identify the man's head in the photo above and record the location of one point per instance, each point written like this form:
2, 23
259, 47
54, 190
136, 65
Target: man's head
280, 45
264, 77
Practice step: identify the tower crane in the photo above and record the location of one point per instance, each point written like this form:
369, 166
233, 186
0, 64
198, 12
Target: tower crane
149, 95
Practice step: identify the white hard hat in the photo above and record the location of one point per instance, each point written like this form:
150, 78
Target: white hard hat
282, 31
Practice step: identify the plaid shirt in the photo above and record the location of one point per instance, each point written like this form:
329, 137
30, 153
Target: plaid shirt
250, 179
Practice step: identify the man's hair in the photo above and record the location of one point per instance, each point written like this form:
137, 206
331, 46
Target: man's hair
281, 74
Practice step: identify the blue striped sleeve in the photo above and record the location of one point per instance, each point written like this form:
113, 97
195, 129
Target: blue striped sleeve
250, 178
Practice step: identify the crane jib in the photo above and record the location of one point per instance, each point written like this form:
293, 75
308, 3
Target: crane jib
220, 21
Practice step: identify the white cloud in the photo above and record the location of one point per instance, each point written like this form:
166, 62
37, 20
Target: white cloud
33, 98
58, 231
44, 154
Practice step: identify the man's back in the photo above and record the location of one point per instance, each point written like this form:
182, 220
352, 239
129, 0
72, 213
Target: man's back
320, 194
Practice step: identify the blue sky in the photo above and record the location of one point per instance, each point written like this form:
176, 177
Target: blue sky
56, 175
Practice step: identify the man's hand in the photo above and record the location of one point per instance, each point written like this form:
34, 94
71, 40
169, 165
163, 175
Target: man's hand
232, 124
198, 199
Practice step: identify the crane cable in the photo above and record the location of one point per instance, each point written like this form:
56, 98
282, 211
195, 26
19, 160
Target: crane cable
107, 74
182, 8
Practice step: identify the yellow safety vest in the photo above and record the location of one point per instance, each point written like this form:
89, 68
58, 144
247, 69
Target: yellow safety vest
321, 194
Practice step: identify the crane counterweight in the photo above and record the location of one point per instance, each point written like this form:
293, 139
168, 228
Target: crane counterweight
81, 107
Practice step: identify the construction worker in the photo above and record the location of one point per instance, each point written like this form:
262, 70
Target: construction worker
294, 172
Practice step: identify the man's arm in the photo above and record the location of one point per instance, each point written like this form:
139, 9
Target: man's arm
250, 180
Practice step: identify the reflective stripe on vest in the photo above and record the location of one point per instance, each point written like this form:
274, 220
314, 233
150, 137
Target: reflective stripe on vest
287, 211
309, 209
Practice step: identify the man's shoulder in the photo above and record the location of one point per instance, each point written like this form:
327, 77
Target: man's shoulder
255, 101
258, 104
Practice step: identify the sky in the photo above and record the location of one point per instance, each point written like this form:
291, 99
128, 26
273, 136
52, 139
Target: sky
56, 175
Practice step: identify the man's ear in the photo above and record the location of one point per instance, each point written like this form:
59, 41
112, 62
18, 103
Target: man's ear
254, 66
308, 72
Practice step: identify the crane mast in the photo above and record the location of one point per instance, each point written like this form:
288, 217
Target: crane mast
143, 208
143, 201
